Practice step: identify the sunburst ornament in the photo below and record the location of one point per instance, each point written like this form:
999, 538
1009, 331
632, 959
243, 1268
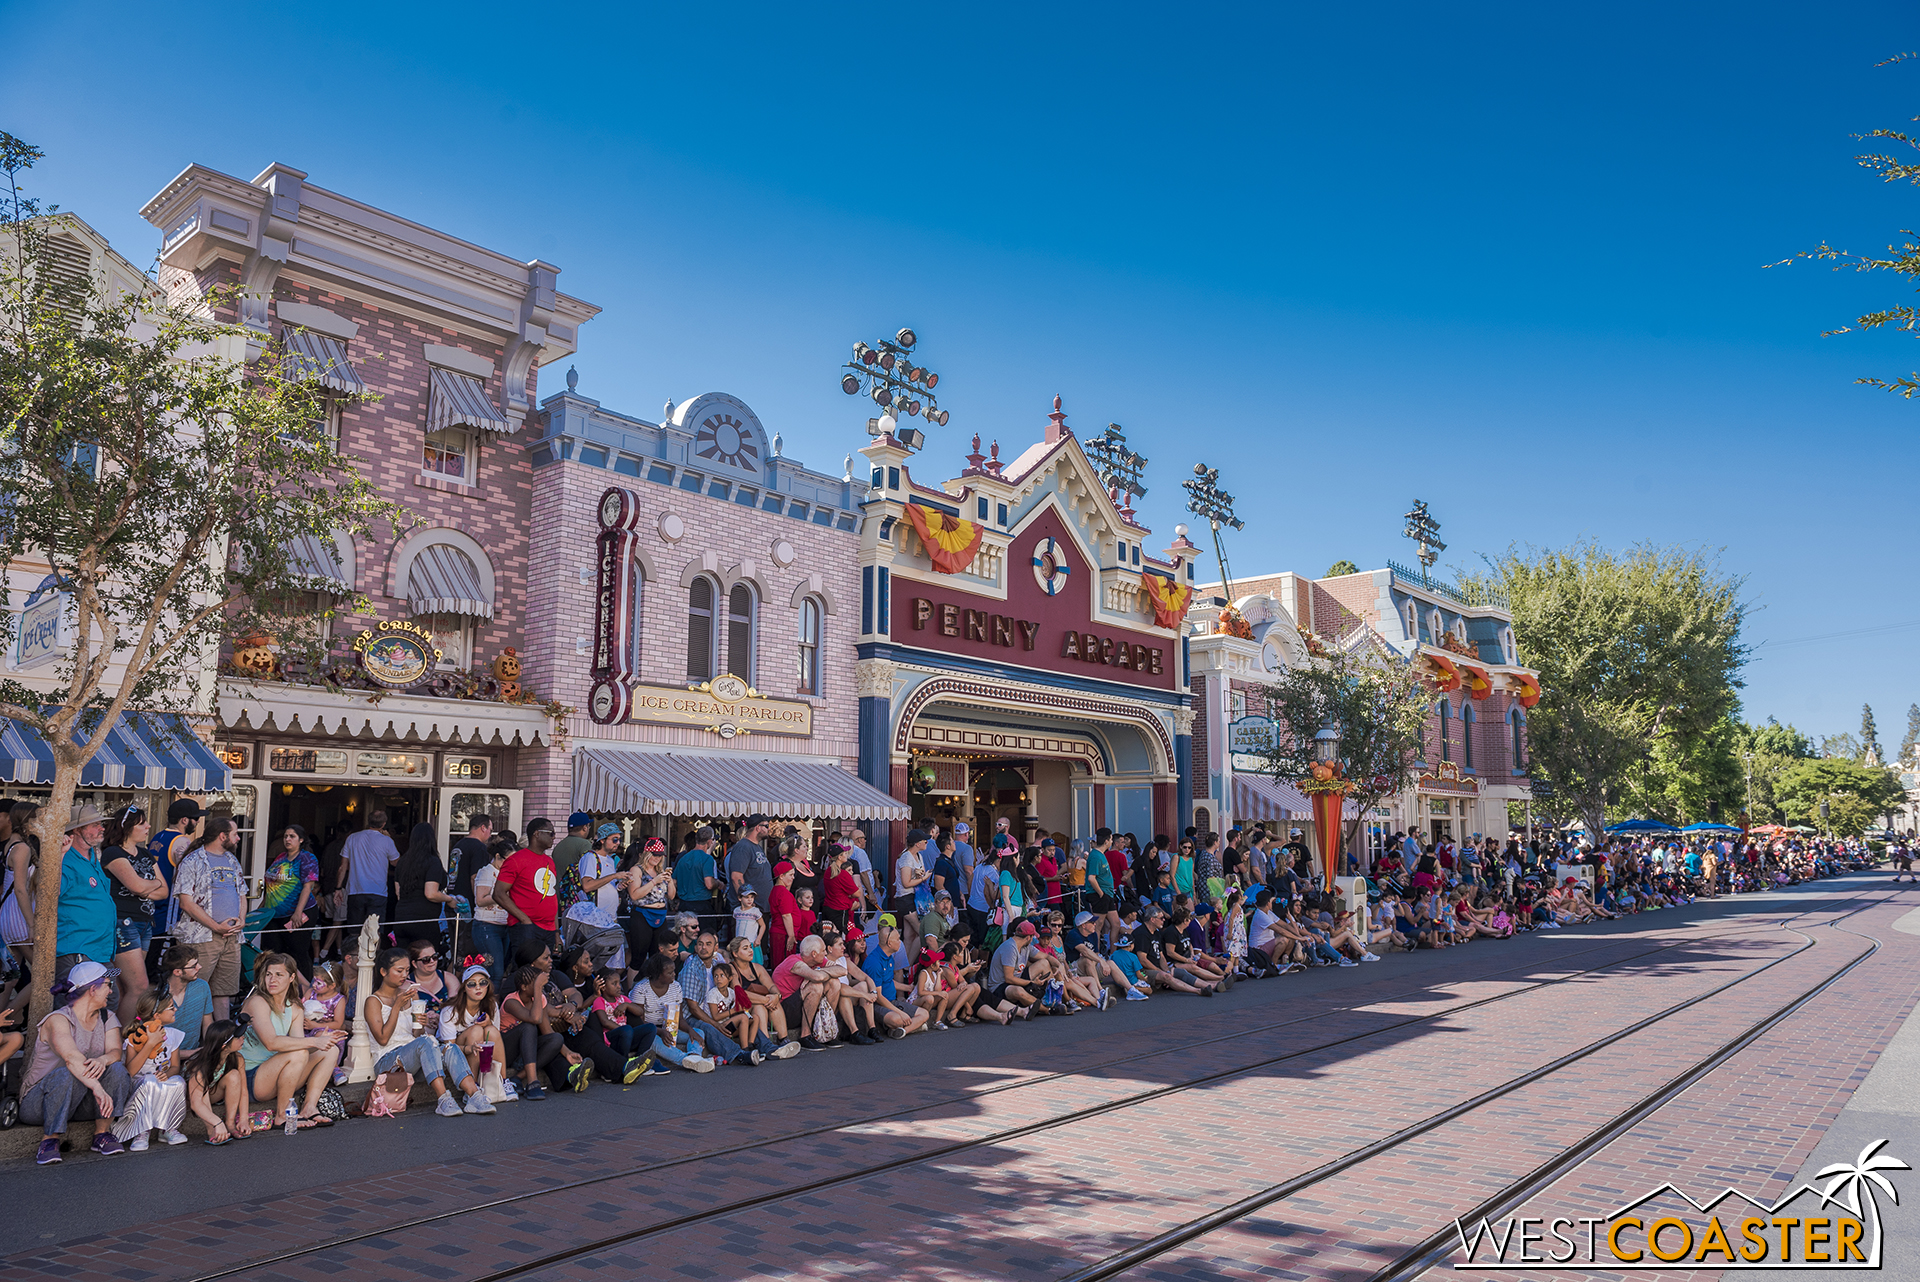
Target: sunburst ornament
722, 438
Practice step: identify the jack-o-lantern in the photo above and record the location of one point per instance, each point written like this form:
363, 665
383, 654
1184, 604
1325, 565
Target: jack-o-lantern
509, 691
1322, 771
506, 666
257, 660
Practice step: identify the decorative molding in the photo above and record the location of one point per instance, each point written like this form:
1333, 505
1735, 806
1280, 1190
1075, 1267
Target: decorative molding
1036, 700
460, 359
410, 547
271, 707
873, 679
317, 319
707, 562
813, 585
938, 738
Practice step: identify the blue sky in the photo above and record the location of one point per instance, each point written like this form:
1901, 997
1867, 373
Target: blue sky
1508, 261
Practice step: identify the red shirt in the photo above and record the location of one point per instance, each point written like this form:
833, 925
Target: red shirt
785, 982
840, 890
782, 906
530, 881
1117, 860
1050, 873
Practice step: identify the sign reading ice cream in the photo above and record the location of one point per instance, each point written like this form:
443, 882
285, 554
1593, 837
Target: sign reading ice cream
726, 705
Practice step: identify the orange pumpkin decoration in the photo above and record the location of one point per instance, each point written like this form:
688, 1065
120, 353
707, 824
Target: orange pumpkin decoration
506, 665
509, 691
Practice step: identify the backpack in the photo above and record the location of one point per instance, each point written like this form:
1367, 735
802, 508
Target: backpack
825, 1026
388, 1095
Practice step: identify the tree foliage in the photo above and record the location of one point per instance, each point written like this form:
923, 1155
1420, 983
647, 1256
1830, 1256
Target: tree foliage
1913, 731
1341, 567
1869, 736
1634, 649
1378, 703
160, 479
1768, 752
1858, 796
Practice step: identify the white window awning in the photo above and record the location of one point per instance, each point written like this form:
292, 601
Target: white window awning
313, 559
443, 580
458, 400
318, 358
622, 781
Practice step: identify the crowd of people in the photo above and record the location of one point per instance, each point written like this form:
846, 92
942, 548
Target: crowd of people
513, 966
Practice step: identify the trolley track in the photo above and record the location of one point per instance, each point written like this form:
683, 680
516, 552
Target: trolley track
1158, 1245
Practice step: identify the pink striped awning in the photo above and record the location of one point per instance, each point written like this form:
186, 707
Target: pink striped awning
624, 782
1257, 797
458, 400
443, 580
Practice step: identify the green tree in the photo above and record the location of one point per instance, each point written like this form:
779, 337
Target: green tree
1339, 568
1913, 730
1869, 736
1858, 796
1632, 648
1691, 778
1843, 746
1767, 752
159, 481
1378, 703
1901, 259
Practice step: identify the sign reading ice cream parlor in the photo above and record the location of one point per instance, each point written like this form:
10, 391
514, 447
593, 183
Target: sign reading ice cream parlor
399, 653
726, 706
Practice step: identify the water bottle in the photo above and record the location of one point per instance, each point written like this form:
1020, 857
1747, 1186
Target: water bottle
292, 1126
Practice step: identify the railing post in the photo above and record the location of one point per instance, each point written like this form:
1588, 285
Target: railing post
359, 1047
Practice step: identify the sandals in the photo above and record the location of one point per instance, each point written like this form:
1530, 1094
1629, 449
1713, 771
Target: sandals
315, 1120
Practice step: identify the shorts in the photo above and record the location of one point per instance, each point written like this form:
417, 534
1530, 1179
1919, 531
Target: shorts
796, 1012
131, 933
252, 1093
994, 996
1099, 904
220, 964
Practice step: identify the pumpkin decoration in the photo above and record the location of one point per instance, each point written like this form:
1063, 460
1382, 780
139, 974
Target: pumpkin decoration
510, 692
256, 659
1322, 771
506, 666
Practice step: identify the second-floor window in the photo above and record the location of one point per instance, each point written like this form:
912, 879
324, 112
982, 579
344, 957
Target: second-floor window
453, 637
1446, 742
1517, 722
701, 634
809, 646
447, 453
740, 638
1467, 719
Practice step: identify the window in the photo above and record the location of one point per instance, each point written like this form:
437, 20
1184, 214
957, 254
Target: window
633, 619
809, 646
447, 453
1237, 705
310, 607
1460, 631
740, 632
1434, 626
327, 422
453, 637
1466, 736
1446, 744
701, 664
1506, 646
1413, 621
1517, 722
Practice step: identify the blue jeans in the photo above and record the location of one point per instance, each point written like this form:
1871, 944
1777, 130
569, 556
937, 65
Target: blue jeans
130, 933
713, 1042
627, 1037
426, 1058
490, 939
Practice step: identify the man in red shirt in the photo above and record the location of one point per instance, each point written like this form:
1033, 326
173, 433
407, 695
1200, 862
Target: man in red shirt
528, 887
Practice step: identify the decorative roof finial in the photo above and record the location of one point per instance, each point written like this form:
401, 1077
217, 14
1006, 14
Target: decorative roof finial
1057, 423
778, 445
666, 415
573, 378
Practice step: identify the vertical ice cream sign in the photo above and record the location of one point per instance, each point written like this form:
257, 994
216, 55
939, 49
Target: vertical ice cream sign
612, 696
39, 640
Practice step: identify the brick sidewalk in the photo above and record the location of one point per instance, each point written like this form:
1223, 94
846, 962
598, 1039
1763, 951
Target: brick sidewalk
950, 1108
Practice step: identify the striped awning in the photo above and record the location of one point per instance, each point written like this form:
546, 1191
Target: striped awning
1258, 797
620, 781
319, 358
315, 560
458, 400
143, 750
443, 580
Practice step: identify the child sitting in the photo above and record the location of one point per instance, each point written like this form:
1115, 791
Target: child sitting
159, 1100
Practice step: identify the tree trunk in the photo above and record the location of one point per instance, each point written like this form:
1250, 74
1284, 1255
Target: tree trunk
50, 826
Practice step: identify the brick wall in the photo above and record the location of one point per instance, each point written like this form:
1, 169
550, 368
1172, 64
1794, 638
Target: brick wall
564, 527
1340, 603
1202, 739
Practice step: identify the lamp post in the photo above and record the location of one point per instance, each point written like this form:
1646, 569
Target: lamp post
1425, 531
1328, 793
886, 372
1824, 812
1207, 500
1119, 467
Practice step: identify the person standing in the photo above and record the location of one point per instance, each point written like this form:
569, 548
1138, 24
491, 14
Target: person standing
696, 878
528, 887
210, 891
856, 844
366, 860
747, 863
169, 845
20, 856
422, 880
468, 856
490, 921
87, 918
283, 920
909, 874
566, 855
135, 884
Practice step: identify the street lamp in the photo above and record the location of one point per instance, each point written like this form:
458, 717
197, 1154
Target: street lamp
1119, 467
1206, 499
1425, 531
1824, 812
886, 372
1326, 745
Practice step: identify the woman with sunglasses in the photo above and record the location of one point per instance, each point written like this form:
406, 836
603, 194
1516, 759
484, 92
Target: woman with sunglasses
134, 879
470, 1022
429, 980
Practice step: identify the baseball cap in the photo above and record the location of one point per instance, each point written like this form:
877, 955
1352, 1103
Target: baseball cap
1082, 919
746, 892
960, 829
754, 820
579, 819
782, 867
854, 932
1024, 928
86, 974
1048, 841
887, 919
185, 808
1293, 832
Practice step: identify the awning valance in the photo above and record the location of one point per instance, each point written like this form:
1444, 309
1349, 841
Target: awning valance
443, 580
1446, 673
317, 358
1479, 684
1526, 689
622, 781
458, 400
143, 750
313, 559
1262, 797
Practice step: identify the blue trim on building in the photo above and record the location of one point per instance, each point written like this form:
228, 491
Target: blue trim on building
1183, 790
883, 620
876, 767
866, 600
1013, 672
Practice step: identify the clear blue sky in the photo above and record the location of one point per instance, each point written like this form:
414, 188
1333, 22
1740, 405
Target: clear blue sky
1508, 261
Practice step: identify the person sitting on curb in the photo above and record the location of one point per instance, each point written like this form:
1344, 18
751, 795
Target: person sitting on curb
1008, 990
152, 1057
280, 1055
77, 1071
804, 984
217, 1084
1150, 948
398, 1044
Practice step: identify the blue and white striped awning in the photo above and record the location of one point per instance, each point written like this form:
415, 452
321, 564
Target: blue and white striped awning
317, 358
455, 399
143, 750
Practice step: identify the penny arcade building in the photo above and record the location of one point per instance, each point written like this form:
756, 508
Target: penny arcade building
1019, 648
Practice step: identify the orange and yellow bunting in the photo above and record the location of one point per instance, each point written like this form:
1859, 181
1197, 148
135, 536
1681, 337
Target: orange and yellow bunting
1442, 675
950, 541
1526, 690
1479, 684
1169, 599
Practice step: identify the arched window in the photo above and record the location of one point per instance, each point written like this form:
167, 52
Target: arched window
1435, 626
701, 633
1517, 722
1413, 621
1466, 736
639, 585
740, 632
809, 645
1506, 645
1446, 742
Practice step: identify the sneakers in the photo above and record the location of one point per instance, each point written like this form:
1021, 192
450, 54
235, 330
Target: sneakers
697, 1063
896, 1032
809, 1044
49, 1151
636, 1069
756, 1057
172, 1137
1366, 957
138, 1144
1104, 996
339, 1077
1208, 990
106, 1146
658, 1069
1348, 961
479, 1105
579, 1077
785, 1050
1135, 995
509, 1090
448, 1106
534, 1092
